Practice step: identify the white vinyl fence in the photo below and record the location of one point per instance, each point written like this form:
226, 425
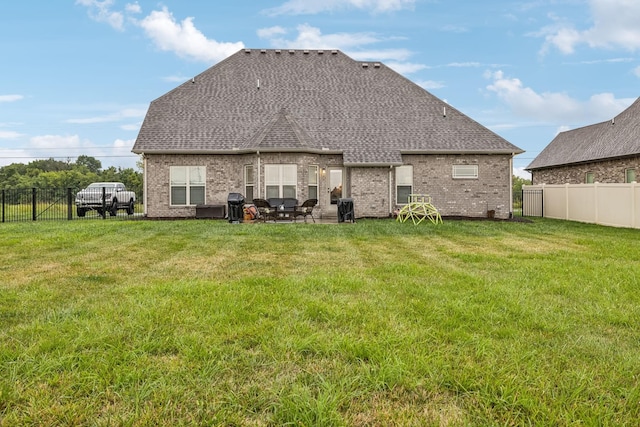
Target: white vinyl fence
616, 205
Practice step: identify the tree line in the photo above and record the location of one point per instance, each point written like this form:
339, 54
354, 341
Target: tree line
51, 173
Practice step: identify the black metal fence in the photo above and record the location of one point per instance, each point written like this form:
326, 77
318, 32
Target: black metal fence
40, 204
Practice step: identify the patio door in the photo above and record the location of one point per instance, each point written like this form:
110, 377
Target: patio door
335, 190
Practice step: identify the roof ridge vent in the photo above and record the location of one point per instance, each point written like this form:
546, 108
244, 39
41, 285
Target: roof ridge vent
376, 65
291, 51
320, 52
306, 52
278, 51
334, 52
247, 51
263, 51
365, 65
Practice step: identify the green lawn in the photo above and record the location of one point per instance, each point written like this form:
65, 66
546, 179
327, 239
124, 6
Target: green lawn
200, 322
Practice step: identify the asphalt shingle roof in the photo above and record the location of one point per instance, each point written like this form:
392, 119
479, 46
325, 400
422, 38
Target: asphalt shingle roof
310, 101
619, 137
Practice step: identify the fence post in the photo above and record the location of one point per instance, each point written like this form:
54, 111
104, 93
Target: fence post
69, 208
3, 205
633, 204
34, 212
104, 202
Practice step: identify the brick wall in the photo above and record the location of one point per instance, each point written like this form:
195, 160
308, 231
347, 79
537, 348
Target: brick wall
372, 188
465, 197
607, 171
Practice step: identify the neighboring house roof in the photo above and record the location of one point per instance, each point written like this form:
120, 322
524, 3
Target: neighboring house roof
309, 101
616, 138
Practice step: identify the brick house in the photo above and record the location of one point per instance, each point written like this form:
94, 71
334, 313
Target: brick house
317, 124
607, 152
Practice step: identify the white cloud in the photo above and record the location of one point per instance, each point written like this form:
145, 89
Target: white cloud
181, 38
8, 157
131, 127
118, 153
406, 67
615, 25
380, 55
302, 7
133, 8
554, 107
271, 32
636, 71
100, 12
309, 37
55, 141
10, 98
126, 113
464, 64
7, 134
312, 38
184, 39
521, 173
430, 84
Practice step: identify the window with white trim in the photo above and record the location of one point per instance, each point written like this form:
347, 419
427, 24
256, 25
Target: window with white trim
404, 183
187, 185
313, 182
629, 175
248, 182
465, 171
280, 181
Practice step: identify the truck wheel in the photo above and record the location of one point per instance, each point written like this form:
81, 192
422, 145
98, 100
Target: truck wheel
130, 208
81, 211
114, 208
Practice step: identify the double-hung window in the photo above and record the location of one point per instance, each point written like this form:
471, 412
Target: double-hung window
281, 181
313, 182
248, 182
404, 183
187, 185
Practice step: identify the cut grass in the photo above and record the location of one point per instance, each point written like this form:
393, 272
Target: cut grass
374, 323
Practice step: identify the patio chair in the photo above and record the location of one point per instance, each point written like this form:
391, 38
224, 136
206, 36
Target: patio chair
265, 209
305, 209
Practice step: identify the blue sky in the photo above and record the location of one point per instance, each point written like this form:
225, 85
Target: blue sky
77, 76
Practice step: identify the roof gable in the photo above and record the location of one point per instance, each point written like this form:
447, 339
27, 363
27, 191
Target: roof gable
281, 134
619, 137
314, 101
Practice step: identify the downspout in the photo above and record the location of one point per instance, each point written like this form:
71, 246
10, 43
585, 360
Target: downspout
144, 184
258, 172
511, 186
390, 190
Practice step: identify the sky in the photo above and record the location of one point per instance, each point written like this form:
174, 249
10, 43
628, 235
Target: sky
77, 76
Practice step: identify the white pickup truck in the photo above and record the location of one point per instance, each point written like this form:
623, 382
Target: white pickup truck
116, 196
